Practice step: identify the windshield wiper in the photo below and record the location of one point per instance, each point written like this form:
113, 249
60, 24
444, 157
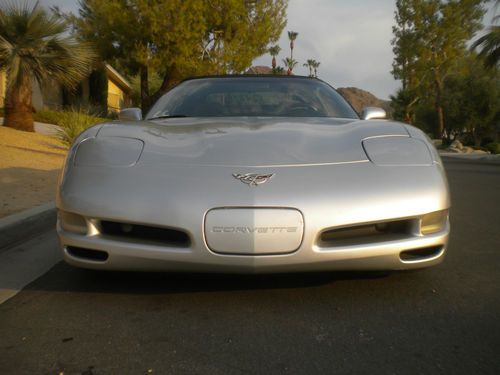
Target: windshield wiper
167, 116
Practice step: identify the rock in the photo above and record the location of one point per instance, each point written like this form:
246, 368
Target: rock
480, 152
456, 144
453, 149
467, 150
360, 98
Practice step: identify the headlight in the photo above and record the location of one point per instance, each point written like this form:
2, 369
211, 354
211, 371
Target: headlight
392, 151
108, 151
434, 222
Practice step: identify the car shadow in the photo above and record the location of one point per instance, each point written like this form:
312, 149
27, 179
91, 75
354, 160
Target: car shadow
65, 278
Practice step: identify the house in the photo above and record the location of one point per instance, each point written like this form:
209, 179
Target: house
119, 90
52, 95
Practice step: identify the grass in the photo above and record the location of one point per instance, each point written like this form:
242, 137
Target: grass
72, 123
493, 147
60, 117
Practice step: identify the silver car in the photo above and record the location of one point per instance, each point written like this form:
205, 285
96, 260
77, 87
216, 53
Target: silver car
247, 174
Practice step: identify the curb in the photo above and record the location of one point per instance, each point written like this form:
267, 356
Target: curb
27, 224
472, 158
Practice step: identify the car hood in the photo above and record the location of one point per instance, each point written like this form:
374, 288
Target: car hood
252, 142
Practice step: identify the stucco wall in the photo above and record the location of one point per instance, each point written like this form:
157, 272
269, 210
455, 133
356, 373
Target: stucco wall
50, 95
116, 97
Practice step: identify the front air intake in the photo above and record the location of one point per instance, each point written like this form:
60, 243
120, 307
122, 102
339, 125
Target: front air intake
366, 233
144, 234
87, 254
424, 253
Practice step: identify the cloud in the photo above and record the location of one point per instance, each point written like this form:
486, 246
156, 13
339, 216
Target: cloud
64, 5
351, 39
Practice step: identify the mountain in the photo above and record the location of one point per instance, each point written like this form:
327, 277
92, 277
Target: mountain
356, 97
360, 98
259, 69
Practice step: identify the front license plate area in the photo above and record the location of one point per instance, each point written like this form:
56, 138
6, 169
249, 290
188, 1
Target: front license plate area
254, 231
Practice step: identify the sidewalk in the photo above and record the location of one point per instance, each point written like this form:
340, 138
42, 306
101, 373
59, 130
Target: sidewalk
42, 128
25, 225
29, 167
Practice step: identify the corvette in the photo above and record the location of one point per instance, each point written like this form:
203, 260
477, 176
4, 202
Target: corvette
251, 174
252, 230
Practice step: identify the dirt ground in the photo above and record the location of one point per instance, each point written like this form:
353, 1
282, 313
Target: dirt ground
30, 164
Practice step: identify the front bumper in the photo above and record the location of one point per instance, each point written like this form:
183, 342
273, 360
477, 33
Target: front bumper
328, 197
125, 255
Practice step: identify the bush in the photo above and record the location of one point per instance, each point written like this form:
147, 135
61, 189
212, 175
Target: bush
48, 116
72, 123
57, 117
493, 147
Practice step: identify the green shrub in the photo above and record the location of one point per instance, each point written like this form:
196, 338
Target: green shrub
57, 117
72, 123
493, 147
48, 116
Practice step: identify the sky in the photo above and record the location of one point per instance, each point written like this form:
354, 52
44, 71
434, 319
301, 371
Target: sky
350, 38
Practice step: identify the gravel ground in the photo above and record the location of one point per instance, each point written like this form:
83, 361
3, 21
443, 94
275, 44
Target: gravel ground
29, 168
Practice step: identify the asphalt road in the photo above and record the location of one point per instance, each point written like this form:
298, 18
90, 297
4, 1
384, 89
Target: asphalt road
443, 320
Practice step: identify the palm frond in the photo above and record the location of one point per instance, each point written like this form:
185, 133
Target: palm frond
274, 50
489, 46
292, 35
33, 44
290, 63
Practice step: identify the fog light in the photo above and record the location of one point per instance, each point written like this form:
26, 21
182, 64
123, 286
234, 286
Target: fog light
72, 222
434, 222
127, 228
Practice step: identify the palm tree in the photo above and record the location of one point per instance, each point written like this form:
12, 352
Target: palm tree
279, 70
490, 46
289, 64
309, 64
315, 66
490, 43
292, 35
34, 46
274, 51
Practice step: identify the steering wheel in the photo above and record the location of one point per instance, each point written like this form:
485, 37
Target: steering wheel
303, 109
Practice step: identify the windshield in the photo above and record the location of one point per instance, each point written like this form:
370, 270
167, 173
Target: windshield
252, 96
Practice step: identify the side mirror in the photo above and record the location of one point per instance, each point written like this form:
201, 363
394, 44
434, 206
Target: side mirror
369, 113
130, 114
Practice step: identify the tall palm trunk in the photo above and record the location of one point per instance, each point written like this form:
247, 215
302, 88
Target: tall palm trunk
19, 107
438, 104
145, 99
291, 50
273, 62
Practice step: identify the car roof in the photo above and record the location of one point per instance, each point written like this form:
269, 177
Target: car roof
229, 76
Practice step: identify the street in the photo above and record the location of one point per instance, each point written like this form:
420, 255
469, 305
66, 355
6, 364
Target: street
442, 320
